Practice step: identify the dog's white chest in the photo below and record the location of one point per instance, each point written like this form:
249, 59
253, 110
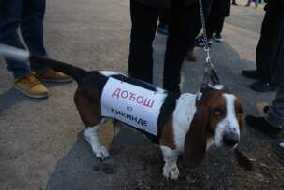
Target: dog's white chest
133, 105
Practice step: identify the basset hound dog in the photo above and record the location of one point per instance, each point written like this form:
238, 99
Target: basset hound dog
178, 124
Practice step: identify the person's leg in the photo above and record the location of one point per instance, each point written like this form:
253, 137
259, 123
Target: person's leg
219, 28
266, 51
262, 52
196, 26
178, 43
212, 23
32, 28
273, 122
32, 31
219, 24
143, 31
276, 112
10, 18
207, 10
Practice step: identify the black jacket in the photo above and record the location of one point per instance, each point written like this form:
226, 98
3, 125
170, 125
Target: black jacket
273, 5
165, 3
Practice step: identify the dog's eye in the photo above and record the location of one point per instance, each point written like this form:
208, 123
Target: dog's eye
218, 112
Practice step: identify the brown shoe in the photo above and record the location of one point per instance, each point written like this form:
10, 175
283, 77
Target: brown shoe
30, 86
49, 75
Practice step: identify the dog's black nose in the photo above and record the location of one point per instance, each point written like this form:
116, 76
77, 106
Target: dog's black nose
230, 138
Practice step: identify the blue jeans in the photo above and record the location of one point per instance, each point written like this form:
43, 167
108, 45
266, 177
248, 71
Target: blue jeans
25, 18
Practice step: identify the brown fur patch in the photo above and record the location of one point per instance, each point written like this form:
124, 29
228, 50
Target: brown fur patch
167, 135
239, 112
89, 109
216, 105
108, 132
196, 138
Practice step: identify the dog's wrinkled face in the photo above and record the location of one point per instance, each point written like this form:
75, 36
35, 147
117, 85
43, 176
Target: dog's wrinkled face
225, 118
218, 120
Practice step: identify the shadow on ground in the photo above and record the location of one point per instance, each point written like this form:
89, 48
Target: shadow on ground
10, 98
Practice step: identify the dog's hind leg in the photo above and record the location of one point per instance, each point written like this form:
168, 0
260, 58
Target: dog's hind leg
92, 137
89, 110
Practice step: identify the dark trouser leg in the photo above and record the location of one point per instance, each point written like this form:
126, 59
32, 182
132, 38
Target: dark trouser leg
196, 26
10, 18
207, 6
267, 45
211, 26
32, 27
143, 31
276, 114
219, 25
216, 19
178, 42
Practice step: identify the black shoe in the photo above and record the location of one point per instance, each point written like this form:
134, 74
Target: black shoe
260, 124
252, 74
218, 38
234, 4
261, 86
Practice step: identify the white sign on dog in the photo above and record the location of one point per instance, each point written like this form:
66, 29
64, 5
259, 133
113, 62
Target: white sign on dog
133, 105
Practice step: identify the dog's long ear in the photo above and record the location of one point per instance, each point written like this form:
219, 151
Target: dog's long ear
239, 113
196, 138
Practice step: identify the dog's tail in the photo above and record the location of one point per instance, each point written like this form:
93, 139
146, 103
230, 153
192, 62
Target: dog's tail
23, 55
76, 73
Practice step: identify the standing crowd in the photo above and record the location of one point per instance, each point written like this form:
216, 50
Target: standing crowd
21, 25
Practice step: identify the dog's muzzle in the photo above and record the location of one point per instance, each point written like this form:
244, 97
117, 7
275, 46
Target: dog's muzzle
231, 138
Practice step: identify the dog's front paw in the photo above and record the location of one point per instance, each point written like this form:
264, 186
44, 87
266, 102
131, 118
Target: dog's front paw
102, 153
171, 172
